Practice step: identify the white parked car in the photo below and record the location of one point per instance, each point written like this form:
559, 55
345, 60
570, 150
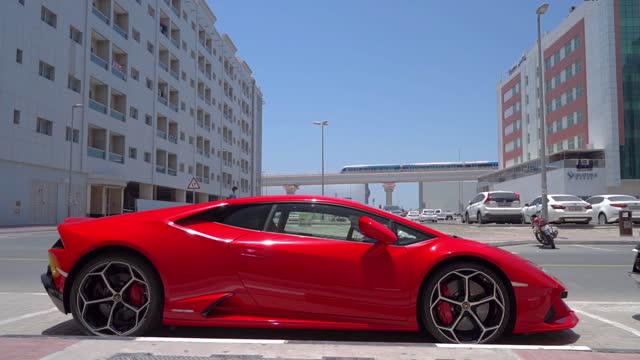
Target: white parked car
444, 215
413, 215
428, 215
494, 206
606, 208
562, 209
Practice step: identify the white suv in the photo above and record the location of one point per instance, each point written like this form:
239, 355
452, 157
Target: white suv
494, 206
606, 208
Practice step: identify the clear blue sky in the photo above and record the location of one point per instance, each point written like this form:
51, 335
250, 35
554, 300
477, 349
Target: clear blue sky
399, 81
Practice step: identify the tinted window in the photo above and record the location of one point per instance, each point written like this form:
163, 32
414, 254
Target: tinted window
565, 198
503, 197
251, 217
595, 200
407, 235
622, 198
536, 201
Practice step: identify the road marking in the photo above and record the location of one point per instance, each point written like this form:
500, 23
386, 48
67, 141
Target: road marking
223, 341
585, 265
22, 293
26, 316
22, 259
610, 322
514, 347
592, 247
604, 302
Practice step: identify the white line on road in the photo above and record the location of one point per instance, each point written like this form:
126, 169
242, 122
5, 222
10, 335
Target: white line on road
603, 302
26, 316
610, 322
22, 293
513, 347
592, 247
223, 341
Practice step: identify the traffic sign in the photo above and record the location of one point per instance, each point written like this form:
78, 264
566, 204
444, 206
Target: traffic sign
193, 184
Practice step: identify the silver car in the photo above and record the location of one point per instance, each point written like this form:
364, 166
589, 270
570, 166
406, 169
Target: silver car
606, 208
494, 206
563, 208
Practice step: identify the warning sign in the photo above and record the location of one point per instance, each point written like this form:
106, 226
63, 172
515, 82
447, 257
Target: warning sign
193, 184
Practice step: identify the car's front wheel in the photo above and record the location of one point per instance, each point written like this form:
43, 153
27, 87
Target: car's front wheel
465, 302
117, 294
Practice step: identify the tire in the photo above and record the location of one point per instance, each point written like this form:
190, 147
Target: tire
453, 320
134, 290
602, 219
480, 219
466, 218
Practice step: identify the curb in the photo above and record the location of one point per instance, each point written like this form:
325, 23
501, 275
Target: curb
566, 242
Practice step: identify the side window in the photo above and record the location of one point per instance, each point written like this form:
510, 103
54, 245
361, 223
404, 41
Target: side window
408, 236
536, 201
478, 198
252, 217
596, 200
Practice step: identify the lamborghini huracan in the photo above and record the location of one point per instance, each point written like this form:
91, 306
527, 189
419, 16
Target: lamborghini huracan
303, 262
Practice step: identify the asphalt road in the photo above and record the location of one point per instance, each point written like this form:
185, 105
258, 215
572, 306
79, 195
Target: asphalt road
607, 301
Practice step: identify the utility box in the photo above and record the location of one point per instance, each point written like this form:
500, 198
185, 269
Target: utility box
625, 223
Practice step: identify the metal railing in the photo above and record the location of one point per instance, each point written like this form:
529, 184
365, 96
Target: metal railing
100, 15
116, 157
96, 153
175, 42
100, 61
117, 115
205, 180
161, 168
161, 134
118, 73
172, 172
120, 31
173, 138
163, 100
174, 74
164, 66
99, 107
173, 107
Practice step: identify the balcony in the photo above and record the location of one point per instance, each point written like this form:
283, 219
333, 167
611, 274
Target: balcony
100, 61
173, 138
116, 158
175, 42
163, 100
119, 71
117, 115
172, 172
121, 31
200, 151
161, 134
205, 179
173, 107
95, 153
200, 179
97, 106
161, 169
101, 16
164, 66
175, 74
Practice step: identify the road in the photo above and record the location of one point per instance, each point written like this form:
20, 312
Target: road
606, 300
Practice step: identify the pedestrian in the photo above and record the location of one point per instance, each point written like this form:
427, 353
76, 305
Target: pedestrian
233, 192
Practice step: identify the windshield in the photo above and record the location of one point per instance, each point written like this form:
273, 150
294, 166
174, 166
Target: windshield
622, 198
413, 213
504, 197
428, 211
565, 198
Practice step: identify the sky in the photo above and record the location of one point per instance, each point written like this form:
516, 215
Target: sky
399, 81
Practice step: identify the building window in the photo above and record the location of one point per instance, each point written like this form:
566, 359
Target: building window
193, 26
181, 167
190, 140
184, 15
191, 112
579, 91
47, 71
133, 153
135, 74
193, 83
183, 106
184, 45
73, 84
75, 35
580, 142
190, 170
69, 133
21, 2
19, 56
571, 144
182, 135
133, 112
147, 119
151, 11
44, 126
579, 117
147, 157
150, 47
48, 17
184, 76
16, 117
149, 84
135, 34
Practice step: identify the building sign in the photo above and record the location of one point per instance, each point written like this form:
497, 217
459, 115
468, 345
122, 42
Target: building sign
582, 176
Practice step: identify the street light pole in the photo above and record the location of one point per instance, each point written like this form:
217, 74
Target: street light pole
543, 128
322, 124
73, 107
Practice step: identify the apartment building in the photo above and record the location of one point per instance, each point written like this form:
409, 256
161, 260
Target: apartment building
119, 100
591, 82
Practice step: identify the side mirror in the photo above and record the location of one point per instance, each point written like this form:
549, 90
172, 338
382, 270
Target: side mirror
527, 204
373, 229
469, 202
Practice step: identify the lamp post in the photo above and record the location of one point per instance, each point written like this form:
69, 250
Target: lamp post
73, 107
543, 128
322, 124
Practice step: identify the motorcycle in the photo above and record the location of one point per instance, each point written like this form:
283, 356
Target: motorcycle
543, 231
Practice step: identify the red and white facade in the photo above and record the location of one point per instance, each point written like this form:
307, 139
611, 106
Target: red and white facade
581, 92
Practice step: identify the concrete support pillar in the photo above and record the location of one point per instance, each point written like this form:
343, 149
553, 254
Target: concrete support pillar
202, 197
388, 189
421, 203
146, 191
291, 189
181, 195
367, 194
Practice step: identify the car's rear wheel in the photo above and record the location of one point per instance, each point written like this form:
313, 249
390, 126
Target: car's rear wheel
117, 294
466, 218
480, 219
465, 302
602, 219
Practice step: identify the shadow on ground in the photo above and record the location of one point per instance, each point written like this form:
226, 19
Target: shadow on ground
70, 328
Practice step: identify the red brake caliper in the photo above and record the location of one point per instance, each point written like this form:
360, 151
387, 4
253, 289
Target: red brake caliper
444, 308
136, 294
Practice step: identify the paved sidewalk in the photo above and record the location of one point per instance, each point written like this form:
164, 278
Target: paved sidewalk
26, 229
230, 349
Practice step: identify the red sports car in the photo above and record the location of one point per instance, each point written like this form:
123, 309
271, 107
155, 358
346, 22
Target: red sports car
294, 262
